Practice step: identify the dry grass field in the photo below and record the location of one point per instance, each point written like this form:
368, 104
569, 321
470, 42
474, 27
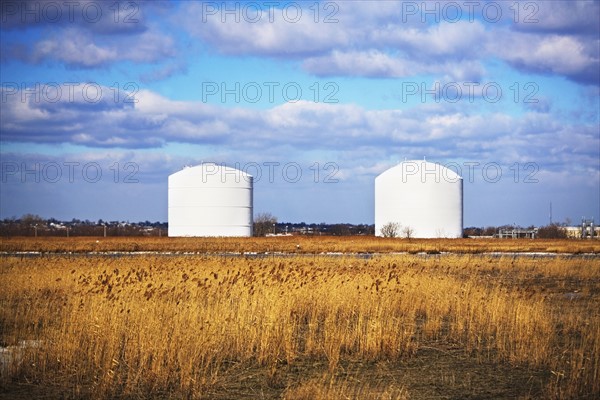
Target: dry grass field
296, 244
390, 327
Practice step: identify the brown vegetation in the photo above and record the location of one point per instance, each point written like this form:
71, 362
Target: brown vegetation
398, 326
297, 244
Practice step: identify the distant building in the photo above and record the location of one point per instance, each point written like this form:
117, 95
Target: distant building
517, 233
575, 232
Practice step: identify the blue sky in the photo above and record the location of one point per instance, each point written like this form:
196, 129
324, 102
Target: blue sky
101, 101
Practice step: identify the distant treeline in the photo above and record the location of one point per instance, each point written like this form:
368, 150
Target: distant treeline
33, 225
264, 224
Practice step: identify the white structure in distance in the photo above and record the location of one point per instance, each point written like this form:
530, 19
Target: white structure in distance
424, 199
210, 200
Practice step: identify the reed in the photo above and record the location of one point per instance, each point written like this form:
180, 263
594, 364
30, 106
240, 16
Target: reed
200, 326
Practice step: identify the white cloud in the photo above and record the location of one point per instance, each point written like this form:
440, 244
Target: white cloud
270, 32
150, 46
73, 48
304, 126
452, 40
374, 39
566, 17
78, 48
365, 38
556, 54
355, 63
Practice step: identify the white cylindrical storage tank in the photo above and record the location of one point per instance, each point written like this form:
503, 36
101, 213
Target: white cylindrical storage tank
424, 199
210, 200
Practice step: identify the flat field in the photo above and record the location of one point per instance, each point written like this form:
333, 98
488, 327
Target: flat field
395, 326
296, 244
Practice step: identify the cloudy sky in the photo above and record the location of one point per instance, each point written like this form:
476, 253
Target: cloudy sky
101, 101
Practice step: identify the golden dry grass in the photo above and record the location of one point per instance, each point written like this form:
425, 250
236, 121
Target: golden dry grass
296, 244
310, 327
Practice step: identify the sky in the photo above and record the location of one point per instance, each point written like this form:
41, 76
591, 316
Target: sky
102, 101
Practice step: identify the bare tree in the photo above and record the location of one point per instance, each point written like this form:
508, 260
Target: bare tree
408, 232
552, 231
263, 223
391, 229
31, 220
